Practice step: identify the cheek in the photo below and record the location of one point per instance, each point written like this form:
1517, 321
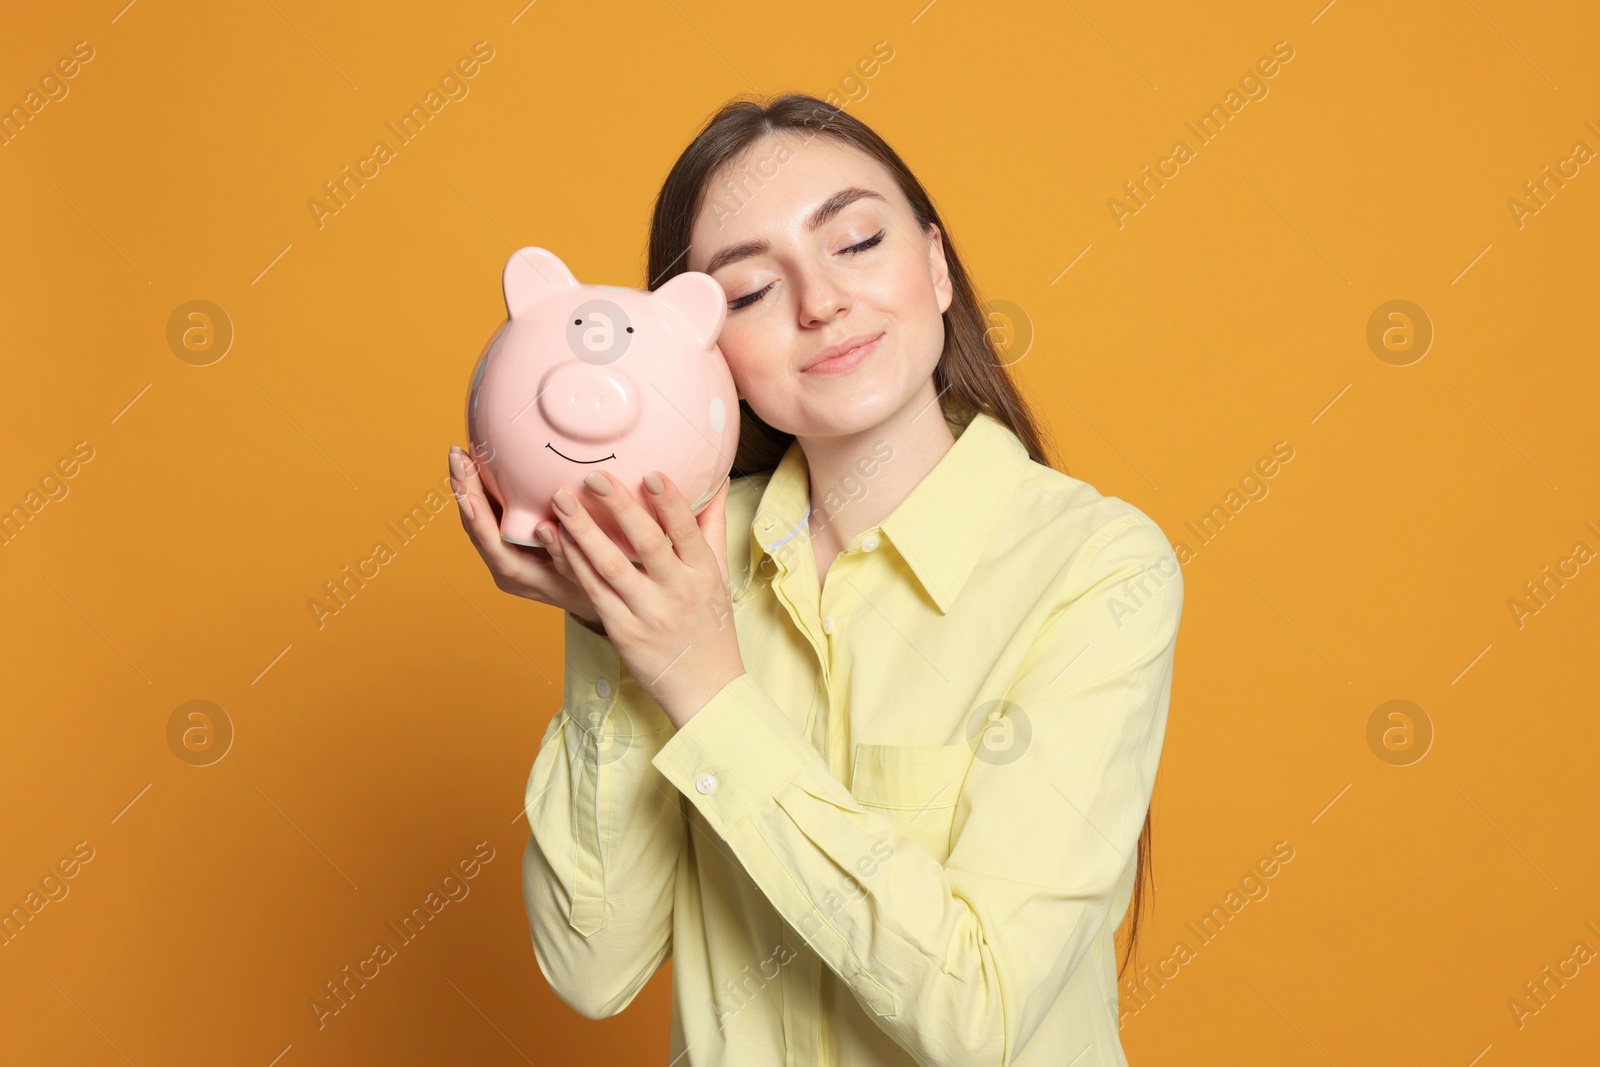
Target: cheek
906, 287
909, 293
749, 358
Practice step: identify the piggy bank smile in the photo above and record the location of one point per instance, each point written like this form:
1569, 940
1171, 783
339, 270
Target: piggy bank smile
569, 459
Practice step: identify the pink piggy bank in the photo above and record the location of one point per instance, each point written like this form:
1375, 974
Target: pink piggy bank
584, 377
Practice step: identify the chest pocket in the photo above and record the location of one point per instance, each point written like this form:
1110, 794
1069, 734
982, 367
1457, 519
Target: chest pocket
915, 785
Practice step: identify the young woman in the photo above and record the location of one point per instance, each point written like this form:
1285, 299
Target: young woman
867, 745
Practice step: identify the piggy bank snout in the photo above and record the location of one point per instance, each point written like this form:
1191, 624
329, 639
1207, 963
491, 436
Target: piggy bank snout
589, 403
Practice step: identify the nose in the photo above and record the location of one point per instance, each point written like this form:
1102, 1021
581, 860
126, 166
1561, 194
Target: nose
589, 403
821, 296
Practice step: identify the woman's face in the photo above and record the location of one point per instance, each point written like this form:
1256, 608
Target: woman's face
815, 245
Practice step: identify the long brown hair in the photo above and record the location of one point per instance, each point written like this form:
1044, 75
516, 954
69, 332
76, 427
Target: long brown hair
971, 375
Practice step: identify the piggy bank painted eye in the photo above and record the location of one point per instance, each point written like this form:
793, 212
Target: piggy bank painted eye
585, 377
599, 332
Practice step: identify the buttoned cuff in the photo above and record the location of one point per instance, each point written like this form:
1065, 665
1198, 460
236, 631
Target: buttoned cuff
596, 680
735, 754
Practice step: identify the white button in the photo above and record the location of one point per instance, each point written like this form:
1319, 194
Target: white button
706, 783
603, 687
827, 625
870, 543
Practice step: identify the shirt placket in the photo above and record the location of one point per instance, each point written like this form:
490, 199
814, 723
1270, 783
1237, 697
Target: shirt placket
834, 728
822, 616
795, 587
835, 599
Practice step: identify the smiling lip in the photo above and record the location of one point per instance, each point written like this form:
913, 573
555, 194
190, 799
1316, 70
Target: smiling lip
569, 459
846, 355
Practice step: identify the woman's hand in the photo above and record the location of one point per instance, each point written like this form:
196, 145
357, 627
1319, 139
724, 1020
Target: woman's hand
543, 574
672, 620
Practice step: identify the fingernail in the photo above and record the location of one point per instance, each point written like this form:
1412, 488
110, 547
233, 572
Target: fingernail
653, 482
543, 533
598, 483
566, 502
455, 463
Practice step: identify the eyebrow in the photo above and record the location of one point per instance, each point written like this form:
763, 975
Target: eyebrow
825, 211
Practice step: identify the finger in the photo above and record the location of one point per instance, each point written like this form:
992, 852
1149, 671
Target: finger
503, 559
638, 525
679, 521
463, 498
548, 534
713, 520
599, 552
554, 546
600, 592
478, 517
481, 514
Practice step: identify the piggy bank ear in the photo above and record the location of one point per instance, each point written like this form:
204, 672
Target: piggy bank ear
698, 298
531, 274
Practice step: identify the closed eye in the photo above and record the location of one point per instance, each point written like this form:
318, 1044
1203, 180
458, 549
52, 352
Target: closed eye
855, 249
870, 242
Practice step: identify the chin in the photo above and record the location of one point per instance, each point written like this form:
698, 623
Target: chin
839, 406
847, 417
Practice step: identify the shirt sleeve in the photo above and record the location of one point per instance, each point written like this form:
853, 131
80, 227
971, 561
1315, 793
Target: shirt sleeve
960, 961
599, 869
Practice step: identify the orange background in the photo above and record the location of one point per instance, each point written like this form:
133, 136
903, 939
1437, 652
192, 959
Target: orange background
1230, 313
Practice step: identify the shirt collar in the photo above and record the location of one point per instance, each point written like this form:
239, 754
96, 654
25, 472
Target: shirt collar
940, 529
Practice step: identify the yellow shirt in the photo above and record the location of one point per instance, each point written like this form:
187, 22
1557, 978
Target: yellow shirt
907, 833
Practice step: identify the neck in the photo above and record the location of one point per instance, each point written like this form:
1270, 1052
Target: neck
858, 479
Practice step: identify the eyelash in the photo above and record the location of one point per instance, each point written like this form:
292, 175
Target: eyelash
856, 249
